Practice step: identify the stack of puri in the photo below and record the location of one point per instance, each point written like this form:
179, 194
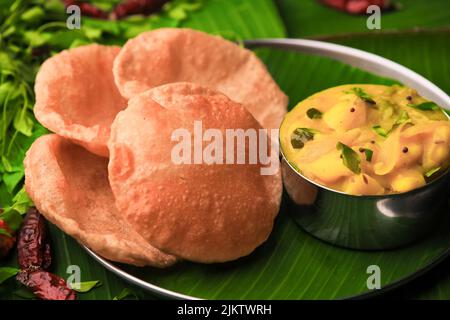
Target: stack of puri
106, 176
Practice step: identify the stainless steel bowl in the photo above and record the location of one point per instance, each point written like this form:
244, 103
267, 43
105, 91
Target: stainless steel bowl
364, 222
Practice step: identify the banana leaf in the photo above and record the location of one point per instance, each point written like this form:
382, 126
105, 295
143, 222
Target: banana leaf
307, 18
232, 19
298, 75
426, 52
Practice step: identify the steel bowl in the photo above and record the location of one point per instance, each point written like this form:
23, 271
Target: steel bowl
364, 222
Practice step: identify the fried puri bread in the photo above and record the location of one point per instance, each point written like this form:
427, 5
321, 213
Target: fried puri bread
205, 212
184, 55
76, 96
69, 186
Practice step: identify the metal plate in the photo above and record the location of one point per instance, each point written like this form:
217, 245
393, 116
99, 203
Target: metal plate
201, 281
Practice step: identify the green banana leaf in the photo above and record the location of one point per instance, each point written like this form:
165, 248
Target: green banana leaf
238, 20
426, 52
233, 19
305, 18
298, 75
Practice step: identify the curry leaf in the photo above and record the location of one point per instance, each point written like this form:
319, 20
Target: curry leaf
425, 106
24, 294
6, 164
126, 293
21, 202
12, 218
349, 157
178, 9
34, 14
24, 123
300, 136
313, 113
6, 273
86, 286
36, 39
12, 179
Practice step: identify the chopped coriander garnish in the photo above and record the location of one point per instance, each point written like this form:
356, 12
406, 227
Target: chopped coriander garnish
300, 136
313, 113
349, 157
362, 95
380, 131
403, 118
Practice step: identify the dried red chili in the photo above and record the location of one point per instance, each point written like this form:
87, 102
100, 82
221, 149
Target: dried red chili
87, 9
34, 255
130, 7
356, 6
6, 241
46, 285
33, 246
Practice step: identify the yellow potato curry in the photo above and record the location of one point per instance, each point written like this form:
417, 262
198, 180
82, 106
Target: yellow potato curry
367, 139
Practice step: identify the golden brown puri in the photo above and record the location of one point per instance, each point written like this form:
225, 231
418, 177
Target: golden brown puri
199, 212
175, 55
70, 187
76, 96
